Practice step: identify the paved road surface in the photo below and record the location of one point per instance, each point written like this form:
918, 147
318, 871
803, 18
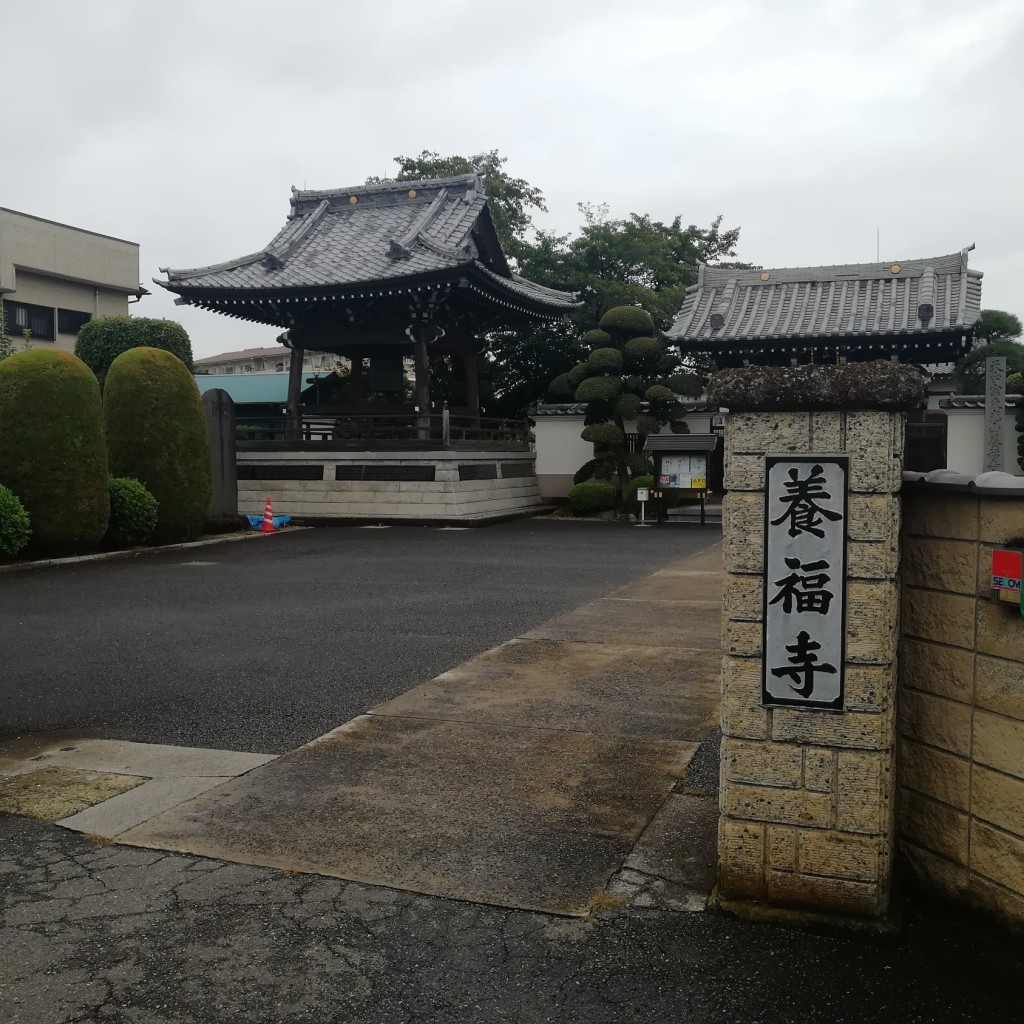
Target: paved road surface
280, 640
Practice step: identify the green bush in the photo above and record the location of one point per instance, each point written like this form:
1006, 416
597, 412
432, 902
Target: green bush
684, 383
599, 389
628, 320
668, 362
603, 433
133, 513
156, 434
15, 527
591, 499
579, 373
605, 360
596, 339
560, 386
101, 341
646, 424
52, 455
644, 351
629, 406
1014, 383
659, 393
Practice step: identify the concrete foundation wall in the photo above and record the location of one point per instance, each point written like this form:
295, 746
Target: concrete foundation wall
446, 497
961, 721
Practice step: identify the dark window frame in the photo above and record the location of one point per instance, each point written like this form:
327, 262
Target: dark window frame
68, 318
40, 320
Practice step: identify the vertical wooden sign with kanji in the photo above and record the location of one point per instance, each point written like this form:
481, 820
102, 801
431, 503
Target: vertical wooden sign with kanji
805, 581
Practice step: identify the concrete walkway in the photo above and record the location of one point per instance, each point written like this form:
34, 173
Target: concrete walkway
523, 778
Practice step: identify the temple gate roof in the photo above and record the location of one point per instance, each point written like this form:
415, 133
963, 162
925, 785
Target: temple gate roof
370, 241
924, 309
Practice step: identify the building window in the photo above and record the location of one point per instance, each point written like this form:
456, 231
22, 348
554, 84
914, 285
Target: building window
247, 368
229, 369
71, 321
279, 367
22, 316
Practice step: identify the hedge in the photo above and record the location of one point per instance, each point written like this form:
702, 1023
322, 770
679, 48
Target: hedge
592, 498
156, 434
628, 320
101, 341
15, 527
53, 456
133, 513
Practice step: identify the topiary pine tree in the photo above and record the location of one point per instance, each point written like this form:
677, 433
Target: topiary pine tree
629, 376
156, 434
53, 456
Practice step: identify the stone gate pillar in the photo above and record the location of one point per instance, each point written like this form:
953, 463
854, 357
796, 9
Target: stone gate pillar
813, 469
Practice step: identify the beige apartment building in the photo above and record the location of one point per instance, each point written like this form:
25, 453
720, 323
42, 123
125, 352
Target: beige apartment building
274, 359
54, 278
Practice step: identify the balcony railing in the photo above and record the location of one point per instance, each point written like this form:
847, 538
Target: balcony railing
381, 432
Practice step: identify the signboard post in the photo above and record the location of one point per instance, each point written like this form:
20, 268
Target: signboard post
642, 495
805, 535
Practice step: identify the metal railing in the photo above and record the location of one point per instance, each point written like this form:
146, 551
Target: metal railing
383, 432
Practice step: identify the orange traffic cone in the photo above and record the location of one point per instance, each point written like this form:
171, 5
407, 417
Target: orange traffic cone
268, 520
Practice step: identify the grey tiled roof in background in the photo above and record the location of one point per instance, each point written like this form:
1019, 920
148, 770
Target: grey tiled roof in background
368, 234
978, 402
927, 296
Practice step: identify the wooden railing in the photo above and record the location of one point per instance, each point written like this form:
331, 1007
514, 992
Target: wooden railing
381, 432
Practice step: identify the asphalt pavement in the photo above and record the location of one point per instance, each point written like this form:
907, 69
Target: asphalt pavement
264, 644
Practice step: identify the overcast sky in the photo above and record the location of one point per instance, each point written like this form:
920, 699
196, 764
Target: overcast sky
807, 123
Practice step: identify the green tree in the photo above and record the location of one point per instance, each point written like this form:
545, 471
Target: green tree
6, 341
101, 341
156, 434
629, 376
997, 325
53, 456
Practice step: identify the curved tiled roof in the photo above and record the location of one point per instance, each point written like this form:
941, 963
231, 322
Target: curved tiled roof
373, 234
729, 307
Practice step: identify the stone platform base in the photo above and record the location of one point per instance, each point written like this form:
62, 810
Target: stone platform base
414, 486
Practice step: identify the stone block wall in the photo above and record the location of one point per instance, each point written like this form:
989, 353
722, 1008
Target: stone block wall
506, 486
961, 698
807, 796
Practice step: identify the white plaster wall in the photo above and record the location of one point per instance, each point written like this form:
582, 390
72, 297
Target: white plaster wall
560, 449
965, 442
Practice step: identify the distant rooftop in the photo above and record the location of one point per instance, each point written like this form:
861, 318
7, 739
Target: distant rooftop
270, 352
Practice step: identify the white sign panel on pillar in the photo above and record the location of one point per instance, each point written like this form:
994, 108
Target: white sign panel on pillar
805, 581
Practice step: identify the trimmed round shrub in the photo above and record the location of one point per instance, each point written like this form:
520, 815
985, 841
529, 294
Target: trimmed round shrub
684, 384
646, 424
659, 393
591, 499
156, 434
639, 464
15, 527
133, 513
603, 433
679, 427
596, 339
594, 469
560, 385
605, 360
629, 406
643, 351
635, 385
668, 362
599, 389
101, 341
52, 454
628, 320
1014, 383
579, 373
